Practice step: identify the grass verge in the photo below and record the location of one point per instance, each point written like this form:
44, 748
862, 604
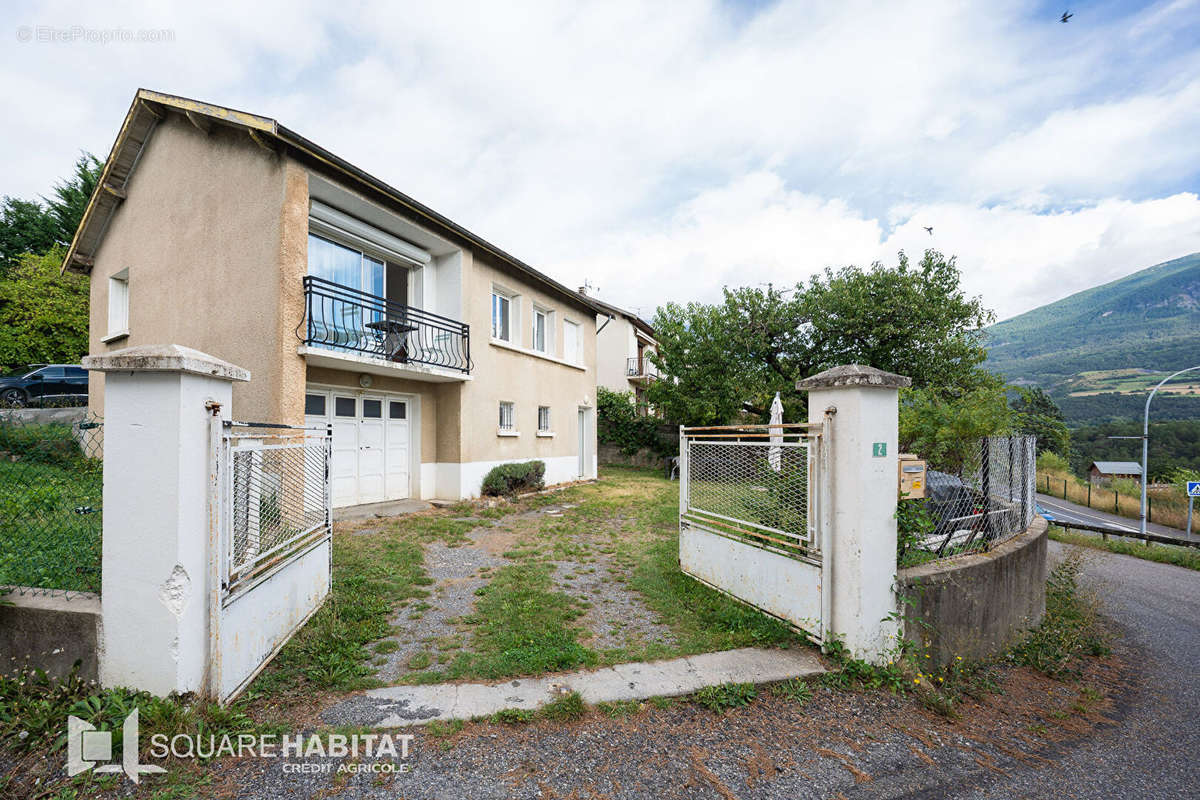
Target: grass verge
1187, 557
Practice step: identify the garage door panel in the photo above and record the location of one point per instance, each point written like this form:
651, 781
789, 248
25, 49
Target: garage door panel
371, 447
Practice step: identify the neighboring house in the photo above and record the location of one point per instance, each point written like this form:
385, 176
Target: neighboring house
434, 355
624, 342
1104, 471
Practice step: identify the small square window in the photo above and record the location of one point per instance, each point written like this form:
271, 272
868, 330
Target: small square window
314, 405
397, 410
373, 409
345, 407
507, 416
544, 419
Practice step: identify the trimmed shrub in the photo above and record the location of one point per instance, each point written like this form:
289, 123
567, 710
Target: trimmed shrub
508, 479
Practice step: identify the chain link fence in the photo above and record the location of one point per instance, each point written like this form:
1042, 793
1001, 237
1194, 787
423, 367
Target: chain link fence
976, 497
279, 496
51, 489
750, 484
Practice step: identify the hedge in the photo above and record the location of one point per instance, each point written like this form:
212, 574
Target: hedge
508, 479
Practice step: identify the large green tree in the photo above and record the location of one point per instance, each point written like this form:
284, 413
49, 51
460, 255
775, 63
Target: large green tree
43, 314
723, 359
1036, 413
36, 226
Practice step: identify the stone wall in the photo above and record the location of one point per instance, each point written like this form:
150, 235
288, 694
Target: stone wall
977, 605
611, 454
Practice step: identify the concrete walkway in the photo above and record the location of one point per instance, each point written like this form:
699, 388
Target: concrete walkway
397, 706
391, 508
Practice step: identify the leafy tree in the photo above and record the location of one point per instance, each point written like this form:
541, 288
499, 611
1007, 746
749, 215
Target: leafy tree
25, 227
43, 315
946, 429
913, 321
620, 424
31, 226
1036, 413
721, 360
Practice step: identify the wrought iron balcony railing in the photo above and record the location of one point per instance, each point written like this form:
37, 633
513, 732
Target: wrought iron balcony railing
640, 368
341, 318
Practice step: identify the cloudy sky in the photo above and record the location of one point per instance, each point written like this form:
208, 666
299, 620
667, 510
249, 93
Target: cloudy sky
663, 150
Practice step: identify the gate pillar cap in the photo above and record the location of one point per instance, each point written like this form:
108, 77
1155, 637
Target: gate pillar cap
165, 358
854, 375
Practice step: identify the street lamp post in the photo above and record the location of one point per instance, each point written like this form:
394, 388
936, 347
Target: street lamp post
1146, 443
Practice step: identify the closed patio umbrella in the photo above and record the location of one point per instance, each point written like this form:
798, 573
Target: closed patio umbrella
775, 453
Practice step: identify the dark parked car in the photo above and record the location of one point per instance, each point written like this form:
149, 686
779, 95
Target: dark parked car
49, 384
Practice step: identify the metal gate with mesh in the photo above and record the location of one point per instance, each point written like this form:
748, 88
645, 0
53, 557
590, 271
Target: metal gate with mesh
274, 531
749, 518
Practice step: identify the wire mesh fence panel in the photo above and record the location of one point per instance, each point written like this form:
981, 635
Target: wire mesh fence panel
278, 499
977, 495
51, 492
756, 489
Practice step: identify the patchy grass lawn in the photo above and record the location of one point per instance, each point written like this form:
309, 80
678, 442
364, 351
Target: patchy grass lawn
586, 576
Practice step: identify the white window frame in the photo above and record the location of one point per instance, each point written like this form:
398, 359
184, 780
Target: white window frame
509, 429
501, 295
547, 318
118, 306
546, 429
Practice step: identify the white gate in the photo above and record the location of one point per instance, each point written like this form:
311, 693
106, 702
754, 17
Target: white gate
274, 529
749, 518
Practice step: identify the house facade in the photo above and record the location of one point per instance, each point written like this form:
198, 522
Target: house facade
624, 343
433, 354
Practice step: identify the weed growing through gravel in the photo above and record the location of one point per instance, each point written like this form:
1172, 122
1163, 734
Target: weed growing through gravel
568, 706
795, 690
725, 696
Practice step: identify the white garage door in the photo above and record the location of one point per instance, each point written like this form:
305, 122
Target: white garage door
370, 444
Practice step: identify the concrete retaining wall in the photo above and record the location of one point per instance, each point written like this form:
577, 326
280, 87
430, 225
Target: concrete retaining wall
41, 416
978, 605
50, 631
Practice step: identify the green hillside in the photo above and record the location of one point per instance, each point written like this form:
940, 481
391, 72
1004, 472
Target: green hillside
1099, 349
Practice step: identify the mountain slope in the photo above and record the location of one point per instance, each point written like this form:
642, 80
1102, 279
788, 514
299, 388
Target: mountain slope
1149, 320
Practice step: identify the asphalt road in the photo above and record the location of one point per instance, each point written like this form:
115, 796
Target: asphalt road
1150, 752
1060, 509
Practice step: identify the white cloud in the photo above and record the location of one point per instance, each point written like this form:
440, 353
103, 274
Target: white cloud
662, 150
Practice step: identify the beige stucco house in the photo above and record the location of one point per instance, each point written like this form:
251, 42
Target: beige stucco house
624, 342
433, 354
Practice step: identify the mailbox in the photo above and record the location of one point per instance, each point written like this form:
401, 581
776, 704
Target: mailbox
912, 477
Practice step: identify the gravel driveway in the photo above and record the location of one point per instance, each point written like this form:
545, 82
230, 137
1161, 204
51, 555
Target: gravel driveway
1029, 740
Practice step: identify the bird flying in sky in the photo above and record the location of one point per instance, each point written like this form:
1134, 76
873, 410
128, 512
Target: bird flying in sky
1066, 17
929, 230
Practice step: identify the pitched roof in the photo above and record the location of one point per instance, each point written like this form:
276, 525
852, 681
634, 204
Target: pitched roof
149, 107
610, 309
1118, 467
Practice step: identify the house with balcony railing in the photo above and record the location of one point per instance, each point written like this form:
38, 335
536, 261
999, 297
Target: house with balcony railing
624, 345
433, 354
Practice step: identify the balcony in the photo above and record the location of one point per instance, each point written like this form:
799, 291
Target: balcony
346, 320
640, 369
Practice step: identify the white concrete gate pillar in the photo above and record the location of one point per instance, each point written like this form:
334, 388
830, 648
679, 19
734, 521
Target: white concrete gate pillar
859, 477
158, 548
